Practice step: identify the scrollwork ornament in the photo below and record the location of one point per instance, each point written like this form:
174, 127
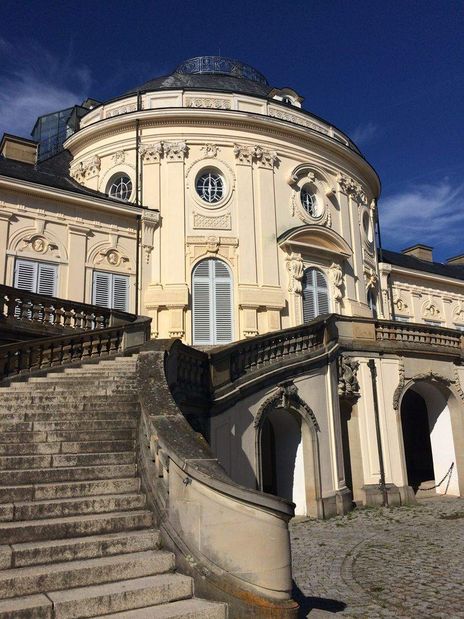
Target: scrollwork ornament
295, 269
286, 396
348, 385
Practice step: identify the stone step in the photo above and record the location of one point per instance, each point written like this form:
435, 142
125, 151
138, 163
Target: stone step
44, 578
183, 609
75, 506
83, 400
14, 426
124, 595
28, 607
103, 435
91, 547
68, 489
68, 447
67, 378
24, 437
128, 422
84, 416
73, 526
66, 460
70, 473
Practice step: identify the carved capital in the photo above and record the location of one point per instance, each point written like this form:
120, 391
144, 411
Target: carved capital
243, 154
175, 151
151, 153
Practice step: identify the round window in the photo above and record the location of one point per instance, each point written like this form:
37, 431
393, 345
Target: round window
309, 201
120, 186
210, 186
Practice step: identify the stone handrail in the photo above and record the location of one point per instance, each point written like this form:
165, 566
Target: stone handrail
417, 334
233, 541
29, 307
81, 332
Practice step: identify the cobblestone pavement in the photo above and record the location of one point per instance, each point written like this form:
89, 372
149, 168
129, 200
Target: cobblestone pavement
402, 562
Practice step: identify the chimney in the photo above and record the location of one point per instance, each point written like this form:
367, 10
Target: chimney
19, 149
456, 260
423, 252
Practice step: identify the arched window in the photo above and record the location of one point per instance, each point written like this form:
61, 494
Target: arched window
315, 294
212, 302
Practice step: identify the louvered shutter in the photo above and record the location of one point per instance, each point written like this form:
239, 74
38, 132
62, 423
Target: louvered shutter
315, 294
202, 310
322, 293
102, 288
120, 300
46, 280
222, 303
26, 275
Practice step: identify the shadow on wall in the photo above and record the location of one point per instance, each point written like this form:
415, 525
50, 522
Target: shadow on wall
309, 603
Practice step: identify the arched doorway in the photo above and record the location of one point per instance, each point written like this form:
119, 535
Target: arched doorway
288, 453
429, 450
212, 315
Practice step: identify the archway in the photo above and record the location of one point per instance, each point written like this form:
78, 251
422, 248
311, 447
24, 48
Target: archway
429, 450
288, 451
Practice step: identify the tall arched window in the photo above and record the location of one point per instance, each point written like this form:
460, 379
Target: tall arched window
212, 302
315, 294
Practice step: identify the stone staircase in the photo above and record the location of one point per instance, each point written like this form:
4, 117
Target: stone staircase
76, 539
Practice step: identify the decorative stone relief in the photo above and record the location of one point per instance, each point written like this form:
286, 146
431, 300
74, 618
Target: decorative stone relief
286, 396
86, 169
151, 153
248, 154
198, 246
208, 103
336, 279
150, 220
123, 109
430, 310
39, 244
119, 157
399, 389
458, 312
210, 150
348, 385
112, 256
175, 151
370, 277
400, 304
221, 222
352, 188
295, 269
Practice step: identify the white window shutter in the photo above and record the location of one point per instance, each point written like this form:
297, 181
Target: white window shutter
47, 278
315, 294
202, 304
223, 307
102, 289
120, 299
26, 275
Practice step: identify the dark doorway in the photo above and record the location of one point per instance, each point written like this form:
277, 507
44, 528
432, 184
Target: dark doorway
416, 437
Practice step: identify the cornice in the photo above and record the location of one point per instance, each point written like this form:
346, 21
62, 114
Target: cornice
230, 119
52, 193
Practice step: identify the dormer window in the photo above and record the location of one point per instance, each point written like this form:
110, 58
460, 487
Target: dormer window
287, 100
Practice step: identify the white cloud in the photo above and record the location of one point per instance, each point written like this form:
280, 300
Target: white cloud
34, 82
430, 214
362, 134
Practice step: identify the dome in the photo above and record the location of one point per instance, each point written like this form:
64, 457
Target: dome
211, 73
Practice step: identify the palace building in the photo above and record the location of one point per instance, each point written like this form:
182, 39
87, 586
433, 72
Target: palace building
320, 367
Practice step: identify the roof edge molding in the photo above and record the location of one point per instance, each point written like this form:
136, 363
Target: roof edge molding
315, 238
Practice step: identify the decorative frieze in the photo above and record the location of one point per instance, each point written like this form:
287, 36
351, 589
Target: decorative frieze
123, 109
221, 222
430, 311
210, 150
212, 103
119, 157
297, 120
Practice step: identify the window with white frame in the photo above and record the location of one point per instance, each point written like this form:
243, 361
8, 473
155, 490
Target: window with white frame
120, 186
36, 276
315, 294
212, 314
111, 290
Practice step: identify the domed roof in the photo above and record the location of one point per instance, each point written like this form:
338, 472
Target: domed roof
211, 73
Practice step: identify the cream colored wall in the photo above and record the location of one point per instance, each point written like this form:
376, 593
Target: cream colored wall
420, 297
78, 238
261, 160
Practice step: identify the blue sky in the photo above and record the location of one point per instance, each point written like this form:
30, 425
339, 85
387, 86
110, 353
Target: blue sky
388, 72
